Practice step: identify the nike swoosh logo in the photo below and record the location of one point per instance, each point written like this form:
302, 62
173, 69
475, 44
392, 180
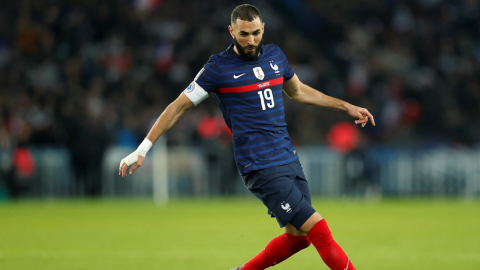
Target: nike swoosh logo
236, 77
348, 262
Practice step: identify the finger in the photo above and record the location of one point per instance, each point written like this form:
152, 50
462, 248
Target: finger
120, 168
137, 164
140, 160
124, 170
134, 167
361, 121
370, 116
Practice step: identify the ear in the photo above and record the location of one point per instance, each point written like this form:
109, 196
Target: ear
230, 29
263, 27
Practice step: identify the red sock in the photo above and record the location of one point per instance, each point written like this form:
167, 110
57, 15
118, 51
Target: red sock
331, 253
278, 250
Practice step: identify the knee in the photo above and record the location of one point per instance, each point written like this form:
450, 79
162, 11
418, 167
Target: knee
290, 229
295, 243
311, 221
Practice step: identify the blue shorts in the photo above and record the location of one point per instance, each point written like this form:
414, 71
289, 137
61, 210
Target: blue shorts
284, 191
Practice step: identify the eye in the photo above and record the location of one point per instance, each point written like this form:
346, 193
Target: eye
256, 33
243, 35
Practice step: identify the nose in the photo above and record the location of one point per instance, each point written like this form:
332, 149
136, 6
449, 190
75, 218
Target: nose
250, 40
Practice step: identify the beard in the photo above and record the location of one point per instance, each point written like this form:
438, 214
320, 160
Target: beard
248, 56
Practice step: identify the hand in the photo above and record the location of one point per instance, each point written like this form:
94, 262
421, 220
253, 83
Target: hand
361, 113
137, 157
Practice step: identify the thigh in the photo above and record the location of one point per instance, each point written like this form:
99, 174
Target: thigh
279, 191
301, 180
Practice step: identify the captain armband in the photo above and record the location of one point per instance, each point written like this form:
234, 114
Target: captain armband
195, 93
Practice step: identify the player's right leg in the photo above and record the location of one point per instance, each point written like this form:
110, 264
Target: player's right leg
277, 250
276, 188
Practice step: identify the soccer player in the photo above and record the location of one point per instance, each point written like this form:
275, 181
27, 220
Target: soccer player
248, 79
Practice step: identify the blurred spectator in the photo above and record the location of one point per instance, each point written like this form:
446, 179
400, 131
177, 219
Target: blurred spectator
86, 74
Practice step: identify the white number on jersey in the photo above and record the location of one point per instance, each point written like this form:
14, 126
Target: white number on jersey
268, 96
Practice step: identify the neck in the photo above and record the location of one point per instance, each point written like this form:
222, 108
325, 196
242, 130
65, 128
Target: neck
235, 49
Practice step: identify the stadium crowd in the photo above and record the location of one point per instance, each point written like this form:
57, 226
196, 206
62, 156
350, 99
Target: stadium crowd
87, 74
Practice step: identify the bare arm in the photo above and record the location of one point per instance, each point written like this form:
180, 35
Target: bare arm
169, 117
298, 91
164, 122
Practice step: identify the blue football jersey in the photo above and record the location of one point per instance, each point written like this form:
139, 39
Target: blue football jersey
249, 93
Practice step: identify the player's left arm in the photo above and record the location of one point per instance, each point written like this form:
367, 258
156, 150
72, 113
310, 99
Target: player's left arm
298, 91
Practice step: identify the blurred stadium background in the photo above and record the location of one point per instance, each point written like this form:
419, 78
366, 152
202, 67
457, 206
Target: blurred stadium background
82, 81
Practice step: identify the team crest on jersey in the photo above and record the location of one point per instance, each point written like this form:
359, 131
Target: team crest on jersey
274, 67
259, 73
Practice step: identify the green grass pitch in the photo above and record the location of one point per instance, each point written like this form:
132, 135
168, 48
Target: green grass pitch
222, 233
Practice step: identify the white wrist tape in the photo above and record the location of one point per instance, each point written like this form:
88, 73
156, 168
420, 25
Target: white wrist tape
141, 151
145, 145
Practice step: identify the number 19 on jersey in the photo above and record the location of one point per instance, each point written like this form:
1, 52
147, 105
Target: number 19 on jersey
267, 93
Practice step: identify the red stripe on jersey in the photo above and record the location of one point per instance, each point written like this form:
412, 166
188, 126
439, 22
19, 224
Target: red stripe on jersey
251, 87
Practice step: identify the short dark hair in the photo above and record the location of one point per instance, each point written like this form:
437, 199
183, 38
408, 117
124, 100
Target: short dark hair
245, 12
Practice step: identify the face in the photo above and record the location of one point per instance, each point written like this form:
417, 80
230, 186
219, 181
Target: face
247, 37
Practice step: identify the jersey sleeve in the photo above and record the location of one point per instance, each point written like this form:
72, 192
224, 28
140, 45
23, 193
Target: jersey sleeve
204, 83
287, 71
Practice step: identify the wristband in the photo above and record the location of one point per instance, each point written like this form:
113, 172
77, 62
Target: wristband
145, 145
